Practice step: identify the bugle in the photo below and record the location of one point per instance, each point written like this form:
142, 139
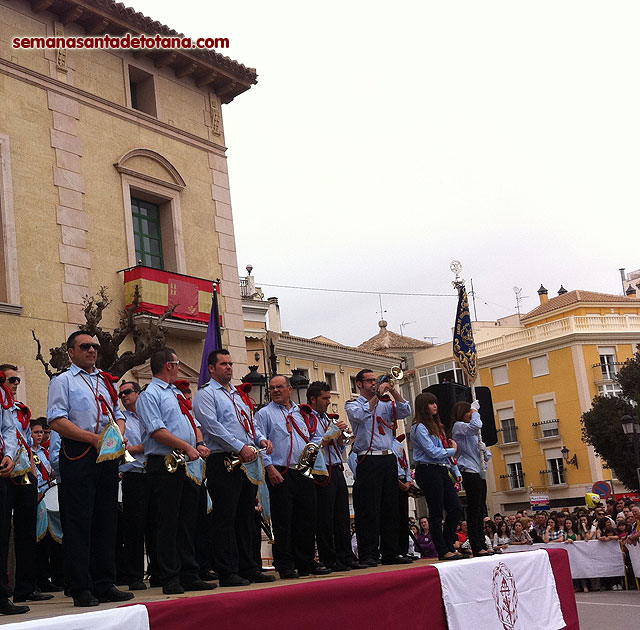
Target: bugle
307, 459
231, 463
176, 458
347, 435
395, 374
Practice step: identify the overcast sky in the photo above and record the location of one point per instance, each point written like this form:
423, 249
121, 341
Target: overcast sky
384, 140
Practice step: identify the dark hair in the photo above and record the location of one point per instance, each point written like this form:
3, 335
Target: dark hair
214, 354
497, 514
8, 366
135, 386
39, 422
160, 358
423, 415
571, 520
492, 526
71, 340
459, 410
361, 373
316, 388
504, 528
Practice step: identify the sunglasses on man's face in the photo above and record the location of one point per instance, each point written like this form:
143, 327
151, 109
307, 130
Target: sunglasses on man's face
14, 380
126, 392
85, 347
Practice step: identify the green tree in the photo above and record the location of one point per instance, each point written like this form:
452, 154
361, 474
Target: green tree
602, 426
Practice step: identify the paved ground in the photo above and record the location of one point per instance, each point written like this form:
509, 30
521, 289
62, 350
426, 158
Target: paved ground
619, 610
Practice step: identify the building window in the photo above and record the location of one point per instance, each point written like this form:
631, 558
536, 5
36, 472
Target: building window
142, 91
608, 362
146, 233
354, 387
548, 419
516, 476
9, 284
448, 372
539, 365
304, 372
509, 430
330, 377
500, 375
555, 466
609, 389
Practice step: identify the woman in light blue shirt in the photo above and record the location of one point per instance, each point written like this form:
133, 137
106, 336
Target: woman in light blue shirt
435, 466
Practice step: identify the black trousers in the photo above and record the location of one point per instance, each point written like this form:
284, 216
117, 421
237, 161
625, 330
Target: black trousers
403, 522
138, 527
89, 514
293, 515
476, 490
176, 499
50, 561
441, 496
333, 534
4, 543
376, 506
234, 517
204, 533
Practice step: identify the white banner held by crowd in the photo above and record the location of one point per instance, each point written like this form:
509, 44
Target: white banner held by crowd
511, 592
587, 558
634, 556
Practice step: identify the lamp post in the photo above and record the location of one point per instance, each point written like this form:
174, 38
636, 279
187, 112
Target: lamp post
298, 381
257, 381
630, 427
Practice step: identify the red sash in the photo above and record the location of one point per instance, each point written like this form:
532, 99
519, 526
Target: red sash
6, 397
186, 407
24, 414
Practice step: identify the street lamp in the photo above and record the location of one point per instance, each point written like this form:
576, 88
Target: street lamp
630, 427
257, 381
298, 381
565, 455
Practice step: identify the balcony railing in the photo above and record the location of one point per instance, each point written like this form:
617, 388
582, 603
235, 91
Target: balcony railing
546, 429
160, 290
555, 477
559, 328
606, 371
511, 482
507, 436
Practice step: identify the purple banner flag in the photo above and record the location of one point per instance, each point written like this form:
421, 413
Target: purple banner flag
213, 340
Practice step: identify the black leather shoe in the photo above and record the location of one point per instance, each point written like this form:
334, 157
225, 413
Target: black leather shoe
172, 588
234, 580
338, 567
315, 570
208, 576
138, 585
396, 560
9, 608
49, 587
368, 562
114, 594
288, 574
84, 599
358, 565
34, 596
259, 577
199, 585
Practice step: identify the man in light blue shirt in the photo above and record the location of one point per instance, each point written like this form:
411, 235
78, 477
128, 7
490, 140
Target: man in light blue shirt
168, 425
374, 422
226, 421
80, 400
293, 495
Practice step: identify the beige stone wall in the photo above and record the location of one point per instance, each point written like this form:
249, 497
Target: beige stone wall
66, 131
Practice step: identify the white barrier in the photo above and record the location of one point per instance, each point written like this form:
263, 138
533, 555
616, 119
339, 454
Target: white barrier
587, 558
634, 556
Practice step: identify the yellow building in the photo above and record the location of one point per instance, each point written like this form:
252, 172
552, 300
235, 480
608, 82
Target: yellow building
544, 370
109, 158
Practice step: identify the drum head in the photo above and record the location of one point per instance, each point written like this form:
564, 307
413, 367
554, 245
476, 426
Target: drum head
51, 499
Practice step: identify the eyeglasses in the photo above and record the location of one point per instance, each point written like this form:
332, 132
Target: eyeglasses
126, 392
174, 362
85, 347
14, 380
274, 387
369, 380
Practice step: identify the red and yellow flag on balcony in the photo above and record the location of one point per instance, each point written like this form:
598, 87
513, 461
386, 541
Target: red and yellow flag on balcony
160, 290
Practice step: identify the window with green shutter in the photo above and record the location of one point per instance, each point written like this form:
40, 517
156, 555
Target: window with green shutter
146, 232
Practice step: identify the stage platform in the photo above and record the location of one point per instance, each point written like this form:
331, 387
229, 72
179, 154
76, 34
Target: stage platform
378, 598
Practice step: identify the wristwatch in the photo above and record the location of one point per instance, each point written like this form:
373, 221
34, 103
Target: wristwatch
201, 443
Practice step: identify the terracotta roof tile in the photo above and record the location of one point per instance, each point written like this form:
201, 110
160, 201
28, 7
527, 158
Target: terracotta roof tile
387, 339
575, 296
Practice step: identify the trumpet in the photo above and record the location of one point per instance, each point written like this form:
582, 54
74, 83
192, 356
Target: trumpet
176, 458
395, 375
347, 436
307, 460
231, 463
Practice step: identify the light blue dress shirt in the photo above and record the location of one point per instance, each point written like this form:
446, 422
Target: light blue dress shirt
158, 408
71, 397
428, 449
133, 432
218, 410
466, 435
333, 450
271, 420
54, 453
43, 486
362, 421
404, 472
8, 430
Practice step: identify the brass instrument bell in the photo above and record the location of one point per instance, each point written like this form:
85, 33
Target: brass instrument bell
231, 463
176, 458
307, 460
395, 374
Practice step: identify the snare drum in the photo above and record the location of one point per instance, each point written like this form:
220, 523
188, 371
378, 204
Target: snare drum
51, 499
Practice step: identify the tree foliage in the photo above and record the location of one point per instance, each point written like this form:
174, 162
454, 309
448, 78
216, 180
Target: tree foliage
602, 426
147, 338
